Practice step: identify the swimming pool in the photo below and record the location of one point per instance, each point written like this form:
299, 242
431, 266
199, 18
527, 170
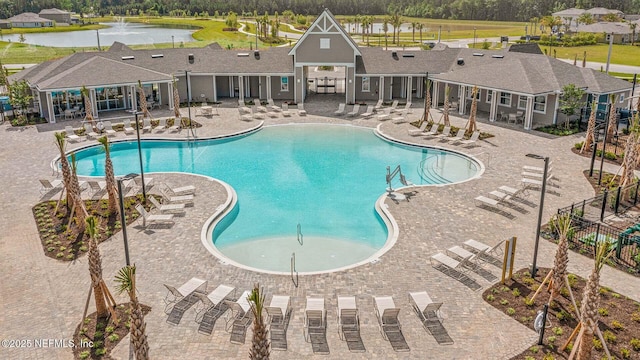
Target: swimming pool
323, 180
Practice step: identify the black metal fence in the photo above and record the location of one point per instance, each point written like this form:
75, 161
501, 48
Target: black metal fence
588, 229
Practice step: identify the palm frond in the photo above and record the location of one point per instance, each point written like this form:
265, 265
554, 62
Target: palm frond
125, 279
92, 227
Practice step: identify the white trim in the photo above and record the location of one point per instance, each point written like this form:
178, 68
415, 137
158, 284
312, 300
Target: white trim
326, 15
509, 105
486, 96
300, 64
362, 82
215, 90
544, 111
525, 102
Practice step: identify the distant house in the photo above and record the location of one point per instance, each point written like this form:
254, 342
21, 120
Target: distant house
30, 20
5, 24
599, 13
56, 15
569, 17
621, 31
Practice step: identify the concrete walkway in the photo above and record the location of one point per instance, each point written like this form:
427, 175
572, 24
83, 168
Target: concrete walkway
44, 298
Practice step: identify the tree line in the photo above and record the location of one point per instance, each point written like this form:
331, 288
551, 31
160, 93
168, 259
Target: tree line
499, 10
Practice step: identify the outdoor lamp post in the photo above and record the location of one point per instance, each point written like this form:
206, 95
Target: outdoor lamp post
474, 37
186, 76
542, 192
123, 221
144, 192
173, 43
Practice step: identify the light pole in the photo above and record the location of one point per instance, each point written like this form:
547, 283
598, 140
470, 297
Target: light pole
123, 220
474, 37
534, 269
186, 75
256, 35
144, 192
173, 43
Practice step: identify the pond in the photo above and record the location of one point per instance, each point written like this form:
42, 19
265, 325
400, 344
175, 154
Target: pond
126, 33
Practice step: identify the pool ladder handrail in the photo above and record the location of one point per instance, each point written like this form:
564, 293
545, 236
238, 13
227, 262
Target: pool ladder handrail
299, 235
293, 269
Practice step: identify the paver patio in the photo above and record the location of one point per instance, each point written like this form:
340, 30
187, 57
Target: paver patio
44, 298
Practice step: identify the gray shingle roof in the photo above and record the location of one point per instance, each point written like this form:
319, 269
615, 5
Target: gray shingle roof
27, 17
606, 27
53, 11
376, 61
569, 12
603, 11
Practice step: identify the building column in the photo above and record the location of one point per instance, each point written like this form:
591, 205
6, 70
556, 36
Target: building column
268, 87
528, 114
241, 87
132, 97
462, 99
555, 109
381, 88
52, 114
298, 84
215, 90
494, 106
170, 91
435, 94
409, 88
94, 103
351, 84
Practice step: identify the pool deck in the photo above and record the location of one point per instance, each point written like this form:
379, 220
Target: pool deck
44, 298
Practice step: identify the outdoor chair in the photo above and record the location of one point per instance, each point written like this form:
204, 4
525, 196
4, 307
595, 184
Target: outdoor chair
186, 199
477, 246
430, 316
432, 132
182, 190
459, 136
301, 110
461, 253
148, 182
162, 125
394, 105
128, 129
71, 134
255, 114
278, 315
341, 109
285, 110
315, 325
175, 127
369, 113
194, 285
88, 131
406, 107
69, 114
243, 108
445, 133
273, 106
154, 218
50, 185
211, 307
537, 168
385, 115
520, 116
349, 323
378, 105
420, 130
452, 267
474, 137
400, 118
354, 111
259, 106
389, 323
239, 319
107, 127
97, 186
146, 125
481, 200
166, 208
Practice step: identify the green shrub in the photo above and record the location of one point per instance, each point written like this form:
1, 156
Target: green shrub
516, 292
578, 146
626, 353
597, 344
609, 337
617, 325
534, 349
603, 312
98, 334
635, 316
548, 356
490, 297
113, 337
635, 344
529, 302
85, 354
504, 302
100, 351
557, 330
511, 311
109, 329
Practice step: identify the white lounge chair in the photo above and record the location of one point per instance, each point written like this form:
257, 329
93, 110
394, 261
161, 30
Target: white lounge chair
378, 105
259, 106
450, 266
285, 110
459, 136
212, 300
154, 218
182, 190
406, 107
432, 132
273, 106
257, 114
314, 317
430, 316
71, 134
537, 168
128, 129
162, 125
50, 185
385, 115
97, 186
462, 253
186, 199
278, 309
369, 113
240, 310
148, 182
400, 118
389, 323
349, 323
174, 295
474, 137
301, 110
166, 208
175, 127
354, 111
107, 127
420, 130
146, 125
477, 246
445, 133
394, 105
88, 131
341, 109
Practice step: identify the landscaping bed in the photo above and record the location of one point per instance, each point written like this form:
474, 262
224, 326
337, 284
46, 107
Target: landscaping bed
61, 238
95, 339
619, 316
454, 129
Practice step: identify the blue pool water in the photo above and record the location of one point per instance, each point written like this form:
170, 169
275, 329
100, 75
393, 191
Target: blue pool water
324, 177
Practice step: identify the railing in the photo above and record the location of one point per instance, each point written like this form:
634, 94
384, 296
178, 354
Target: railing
607, 204
299, 234
293, 269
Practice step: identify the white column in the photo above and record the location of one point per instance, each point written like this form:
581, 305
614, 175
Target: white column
494, 105
381, 88
94, 103
241, 87
555, 109
232, 91
528, 114
171, 104
409, 88
52, 114
189, 93
435, 94
215, 90
462, 99
133, 97
268, 86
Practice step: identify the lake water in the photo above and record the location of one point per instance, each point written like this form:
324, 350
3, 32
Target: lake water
126, 33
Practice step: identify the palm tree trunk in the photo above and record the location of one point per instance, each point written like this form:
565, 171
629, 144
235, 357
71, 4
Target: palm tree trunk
474, 109
591, 130
260, 342
143, 101
613, 124
95, 270
563, 224
589, 314
138, 330
445, 109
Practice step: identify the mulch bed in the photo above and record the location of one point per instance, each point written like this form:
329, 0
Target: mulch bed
619, 316
61, 238
95, 339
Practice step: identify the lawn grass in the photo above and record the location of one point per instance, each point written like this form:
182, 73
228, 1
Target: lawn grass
16, 53
620, 54
75, 27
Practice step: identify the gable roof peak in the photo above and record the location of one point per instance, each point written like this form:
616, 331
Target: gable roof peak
320, 23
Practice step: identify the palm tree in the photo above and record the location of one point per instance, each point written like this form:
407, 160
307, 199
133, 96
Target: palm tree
71, 184
633, 26
591, 129
385, 28
88, 105
420, 28
126, 280
534, 24
143, 101
260, 341
550, 21
95, 268
81, 210
445, 109
176, 102
591, 301
585, 18
427, 101
4, 81
563, 225
356, 21
474, 109
613, 123
396, 21
631, 153
414, 25
109, 176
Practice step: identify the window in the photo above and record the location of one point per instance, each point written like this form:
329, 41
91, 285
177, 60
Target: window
325, 43
366, 84
540, 103
489, 95
284, 83
505, 99
522, 102
621, 97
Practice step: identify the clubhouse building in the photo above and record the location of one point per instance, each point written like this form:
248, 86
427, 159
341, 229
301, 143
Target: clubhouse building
516, 80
